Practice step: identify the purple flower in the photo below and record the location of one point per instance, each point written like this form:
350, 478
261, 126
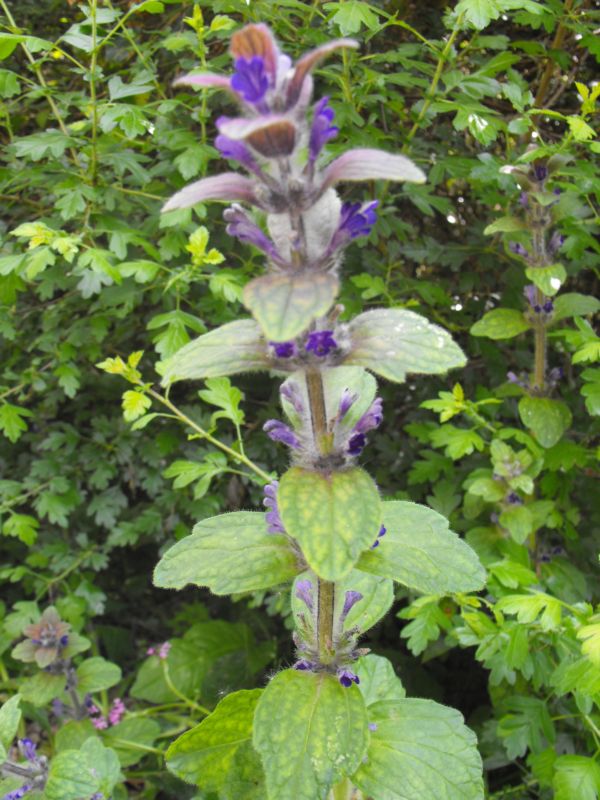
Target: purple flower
304, 593
382, 532
241, 226
356, 444
517, 249
556, 242
554, 376
280, 432
322, 130
284, 349
291, 392
303, 664
372, 418
514, 499
275, 525
523, 199
346, 677
28, 749
372, 726
356, 219
250, 79
350, 600
16, 794
236, 151
548, 307
321, 343
540, 172
346, 402
529, 292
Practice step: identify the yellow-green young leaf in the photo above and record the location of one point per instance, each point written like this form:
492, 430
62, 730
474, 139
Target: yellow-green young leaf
378, 679
501, 323
590, 634
377, 598
10, 716
333, 517
528, 608
310, 732
546, 418
233, 348
518, 520
576, 778
229, 553
393, 342
420, 551
285, 305
420, 750
135, 404
207, 754
505, 225
580, 129
549, 279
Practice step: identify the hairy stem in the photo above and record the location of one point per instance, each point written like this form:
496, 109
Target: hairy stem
326, 589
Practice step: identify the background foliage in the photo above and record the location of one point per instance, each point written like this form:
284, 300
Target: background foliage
95, 139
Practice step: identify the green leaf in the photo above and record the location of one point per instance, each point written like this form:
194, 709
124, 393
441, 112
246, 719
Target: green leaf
546, 418
229, 553
333, 517
549, 279
42, 688
10, 716
285, 305
208, 753
135, 404
501, 323
187, 669
573, 304
505, 225
351, 15
420, 749
12, 424
219, 392
519, 521
576, 778
420, 551
378, 680
393, 342
8, 42
137, 731
478, 12
23, 527
96, 674
104, 763
310, 732
581, 131
71, 776
457, 442
51, 143
233, 348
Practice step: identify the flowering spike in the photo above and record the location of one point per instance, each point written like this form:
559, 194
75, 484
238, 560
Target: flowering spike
372, 418
241, 226
274, 522
346, 677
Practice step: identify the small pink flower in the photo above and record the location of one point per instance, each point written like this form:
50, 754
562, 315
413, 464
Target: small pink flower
117, 711
151, 651
163, 651
100, 723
